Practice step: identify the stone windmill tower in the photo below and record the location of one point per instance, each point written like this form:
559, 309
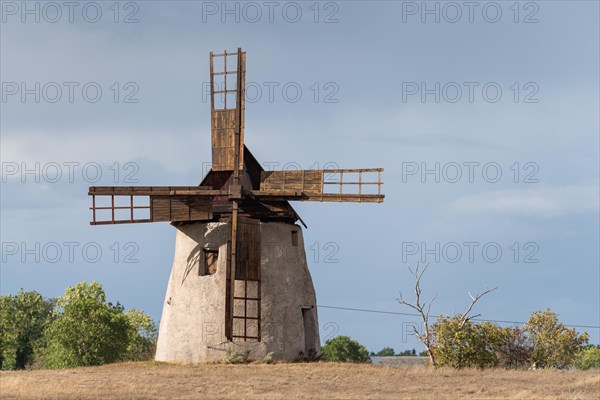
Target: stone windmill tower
240, 277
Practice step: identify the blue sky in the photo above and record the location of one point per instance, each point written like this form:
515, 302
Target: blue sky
504, 116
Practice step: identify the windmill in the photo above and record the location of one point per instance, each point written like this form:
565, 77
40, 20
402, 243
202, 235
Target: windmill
227, 226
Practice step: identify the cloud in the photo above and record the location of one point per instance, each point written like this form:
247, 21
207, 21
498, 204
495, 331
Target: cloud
545, 202
106, 147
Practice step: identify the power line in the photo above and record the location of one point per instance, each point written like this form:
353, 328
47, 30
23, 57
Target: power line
435, 316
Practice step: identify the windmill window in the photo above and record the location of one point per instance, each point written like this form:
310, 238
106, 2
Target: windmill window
210, 261
295, 238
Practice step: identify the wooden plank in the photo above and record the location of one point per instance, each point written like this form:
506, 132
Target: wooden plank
212, 83
334, 171
359, 182
323, 197
180, 208
227, 54
241, 102
225, 81
118, 222
230, 274
248, 249
307, 181
237, 152
223, 140
191, 192
150, 190
161, 208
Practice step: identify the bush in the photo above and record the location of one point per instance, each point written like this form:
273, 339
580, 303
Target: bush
460, 345
23, 319
408, 353
588, 358
231, 357
386, 352
344, 349
268, 359
552, 344
86, 330
79, 328
143, 334
514, 350
543, 342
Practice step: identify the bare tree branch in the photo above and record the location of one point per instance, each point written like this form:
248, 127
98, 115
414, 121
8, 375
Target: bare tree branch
431, 301
423, 309
465, 316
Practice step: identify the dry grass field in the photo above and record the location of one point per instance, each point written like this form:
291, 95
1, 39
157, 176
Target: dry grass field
294, 381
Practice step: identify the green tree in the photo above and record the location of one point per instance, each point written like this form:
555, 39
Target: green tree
552, 344
142, 336
513, 349
407, 353
386, 352
86, 330
344, 349
23, 318
461, 343
588, 358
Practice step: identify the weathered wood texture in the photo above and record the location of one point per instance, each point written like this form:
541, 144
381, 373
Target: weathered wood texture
241, 103
227, 120
230, 268
223, 140
156, 207
309, 181
248, 249
321, 185
180, 208
325, 197
250, 207
148, 190
246, 297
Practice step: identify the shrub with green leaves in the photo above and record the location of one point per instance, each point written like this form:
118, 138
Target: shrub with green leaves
386, 352
513, 350
408, 353
543, 342
87, 330
232, 357
588, 358
552, 344
462, 344
143, 334
23, 318
344, 349
79, 328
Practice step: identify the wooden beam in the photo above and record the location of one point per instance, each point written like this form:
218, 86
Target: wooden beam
226, 54
212, 83
230, 272
118, 222
153, 190
323, 197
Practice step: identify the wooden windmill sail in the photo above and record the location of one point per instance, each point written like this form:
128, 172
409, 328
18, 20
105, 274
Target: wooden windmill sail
236, 190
